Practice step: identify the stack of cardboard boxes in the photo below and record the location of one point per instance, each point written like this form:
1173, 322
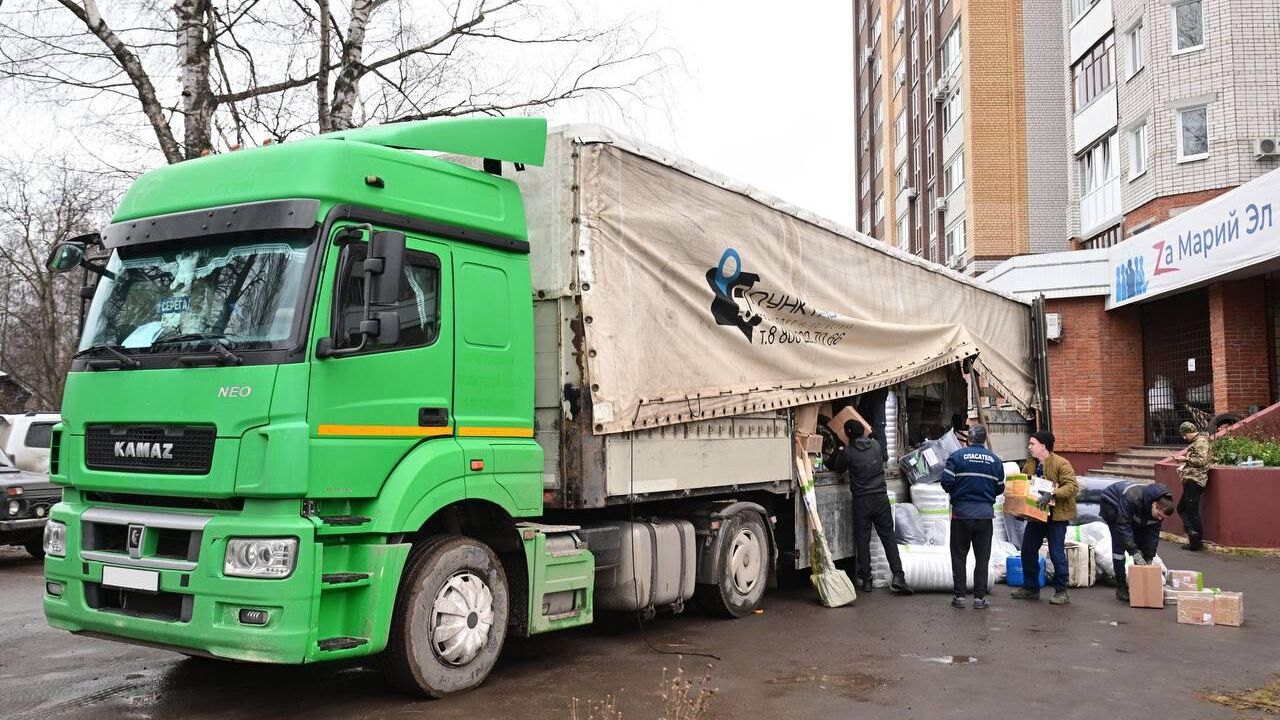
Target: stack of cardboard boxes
1196, 605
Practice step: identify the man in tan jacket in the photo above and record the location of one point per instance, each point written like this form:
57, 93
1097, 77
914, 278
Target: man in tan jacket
1061, 504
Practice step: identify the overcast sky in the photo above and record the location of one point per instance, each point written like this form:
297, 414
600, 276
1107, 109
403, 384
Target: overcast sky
765, 96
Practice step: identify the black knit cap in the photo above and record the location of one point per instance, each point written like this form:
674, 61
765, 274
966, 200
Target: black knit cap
1045, 437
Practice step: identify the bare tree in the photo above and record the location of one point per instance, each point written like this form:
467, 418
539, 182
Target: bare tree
228, 71
41, 205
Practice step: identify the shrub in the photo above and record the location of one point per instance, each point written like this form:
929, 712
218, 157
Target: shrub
1235, 449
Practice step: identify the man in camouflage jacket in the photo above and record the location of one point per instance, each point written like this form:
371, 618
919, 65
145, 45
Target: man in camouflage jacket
1195, 476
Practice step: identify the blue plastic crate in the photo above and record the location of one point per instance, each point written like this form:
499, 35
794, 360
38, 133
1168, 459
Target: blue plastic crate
1013, 567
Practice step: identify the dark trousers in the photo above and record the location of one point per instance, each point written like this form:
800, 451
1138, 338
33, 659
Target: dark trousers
874, 511
1055, 531
1146, 537
963, 534
1189, 511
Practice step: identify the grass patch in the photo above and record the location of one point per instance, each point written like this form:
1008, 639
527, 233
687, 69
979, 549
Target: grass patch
1265, 699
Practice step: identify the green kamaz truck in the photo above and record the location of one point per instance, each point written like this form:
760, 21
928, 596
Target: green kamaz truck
399, 391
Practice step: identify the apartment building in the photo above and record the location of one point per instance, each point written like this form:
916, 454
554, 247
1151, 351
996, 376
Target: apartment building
960, 128
1172, 103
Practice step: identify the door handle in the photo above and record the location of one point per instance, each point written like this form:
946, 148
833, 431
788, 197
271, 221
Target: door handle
433, 417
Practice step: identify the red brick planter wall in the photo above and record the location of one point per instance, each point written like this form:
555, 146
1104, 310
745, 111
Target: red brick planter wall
1241, 507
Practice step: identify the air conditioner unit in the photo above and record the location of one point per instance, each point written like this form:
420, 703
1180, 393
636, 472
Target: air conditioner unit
941, 92
956, 262
868, 55
941, 205
1266, 147
900, 26
911, 193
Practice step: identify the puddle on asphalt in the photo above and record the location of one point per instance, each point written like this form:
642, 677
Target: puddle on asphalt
855, 685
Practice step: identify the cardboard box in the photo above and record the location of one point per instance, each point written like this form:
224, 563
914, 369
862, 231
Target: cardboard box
1195, 608
1146, 586
806, 419
1186, 579
1228, 608
811, 443
1171, 596
1020, 499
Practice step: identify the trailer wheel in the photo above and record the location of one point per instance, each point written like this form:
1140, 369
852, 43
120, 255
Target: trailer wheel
743, 568
450, 618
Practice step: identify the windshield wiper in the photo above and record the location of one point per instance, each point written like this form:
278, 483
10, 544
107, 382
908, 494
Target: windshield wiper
118, 358
193, 337
219, 348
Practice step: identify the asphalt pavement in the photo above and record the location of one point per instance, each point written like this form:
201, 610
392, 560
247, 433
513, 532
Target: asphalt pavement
884, 657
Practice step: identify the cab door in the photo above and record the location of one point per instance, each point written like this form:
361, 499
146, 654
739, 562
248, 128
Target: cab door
365, 411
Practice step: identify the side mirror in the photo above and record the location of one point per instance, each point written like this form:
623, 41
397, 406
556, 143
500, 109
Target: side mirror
383, 328
386, 263
65, 257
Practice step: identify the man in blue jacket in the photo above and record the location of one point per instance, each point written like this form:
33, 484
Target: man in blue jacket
1133, 511
974, 476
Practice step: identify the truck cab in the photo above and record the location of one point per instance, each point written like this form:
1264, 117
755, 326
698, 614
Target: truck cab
303, 403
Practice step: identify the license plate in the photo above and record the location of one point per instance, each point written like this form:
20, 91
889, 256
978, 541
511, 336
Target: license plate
131, 578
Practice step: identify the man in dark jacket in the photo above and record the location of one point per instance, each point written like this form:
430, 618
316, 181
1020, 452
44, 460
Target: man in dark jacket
862, 461
974, 476
1133, 511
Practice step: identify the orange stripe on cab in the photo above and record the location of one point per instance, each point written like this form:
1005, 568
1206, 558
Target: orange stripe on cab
383, 431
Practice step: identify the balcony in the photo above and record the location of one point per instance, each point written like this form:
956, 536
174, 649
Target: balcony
1100, 207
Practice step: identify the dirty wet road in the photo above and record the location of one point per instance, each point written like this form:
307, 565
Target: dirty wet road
887, 657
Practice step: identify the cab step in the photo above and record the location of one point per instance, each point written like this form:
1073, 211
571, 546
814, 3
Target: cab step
341, 578
345, 520
341, 643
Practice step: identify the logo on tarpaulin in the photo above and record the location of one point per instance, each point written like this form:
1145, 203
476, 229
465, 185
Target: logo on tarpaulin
730, 285
738, 302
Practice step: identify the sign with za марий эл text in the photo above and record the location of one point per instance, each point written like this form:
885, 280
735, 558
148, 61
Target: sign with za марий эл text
1230, 232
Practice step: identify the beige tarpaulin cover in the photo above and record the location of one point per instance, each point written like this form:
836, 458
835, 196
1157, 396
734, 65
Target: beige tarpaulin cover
702, 301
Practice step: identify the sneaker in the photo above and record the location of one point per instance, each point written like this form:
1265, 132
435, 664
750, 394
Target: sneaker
899, 585
867, 585
1060, 598
980, 603
957, 601
1024, 594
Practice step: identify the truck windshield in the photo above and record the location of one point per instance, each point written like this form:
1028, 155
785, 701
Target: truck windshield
242, 291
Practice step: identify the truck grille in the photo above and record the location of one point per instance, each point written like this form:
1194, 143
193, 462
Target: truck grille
173, 449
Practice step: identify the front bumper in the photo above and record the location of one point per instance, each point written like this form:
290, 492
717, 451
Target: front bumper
195, 608
24, 524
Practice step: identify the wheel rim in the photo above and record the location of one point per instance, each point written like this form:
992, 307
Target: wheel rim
461, 618
744, 561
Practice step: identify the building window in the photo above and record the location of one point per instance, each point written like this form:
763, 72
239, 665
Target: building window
904, 240
1188, 26
863, 96
1137, 50
900, 127
955, 241
879, 162
864, 187
1097, 166
1097, 171
878, 116
901, 181
866, 223
876, 69
1080, 7
953, 174
900, 74
1137, 151
1193, 133
952, 111
900, 22
951, 49
875, 31
1094, 73
879, 208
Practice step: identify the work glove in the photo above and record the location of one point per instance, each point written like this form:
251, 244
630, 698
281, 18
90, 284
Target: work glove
1045, 498
1137, 558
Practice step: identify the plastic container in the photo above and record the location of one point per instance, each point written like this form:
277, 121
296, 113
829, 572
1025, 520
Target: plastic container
1013, 571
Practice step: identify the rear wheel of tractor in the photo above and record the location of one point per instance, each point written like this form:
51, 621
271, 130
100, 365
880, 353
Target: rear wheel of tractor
35, 548
744, 568
450, 618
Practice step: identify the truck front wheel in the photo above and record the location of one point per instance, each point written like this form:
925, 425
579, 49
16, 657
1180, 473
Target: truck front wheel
744, 567
450, 618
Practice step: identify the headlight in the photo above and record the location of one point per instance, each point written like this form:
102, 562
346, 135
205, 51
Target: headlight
15, 507
55, 538
260, 557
